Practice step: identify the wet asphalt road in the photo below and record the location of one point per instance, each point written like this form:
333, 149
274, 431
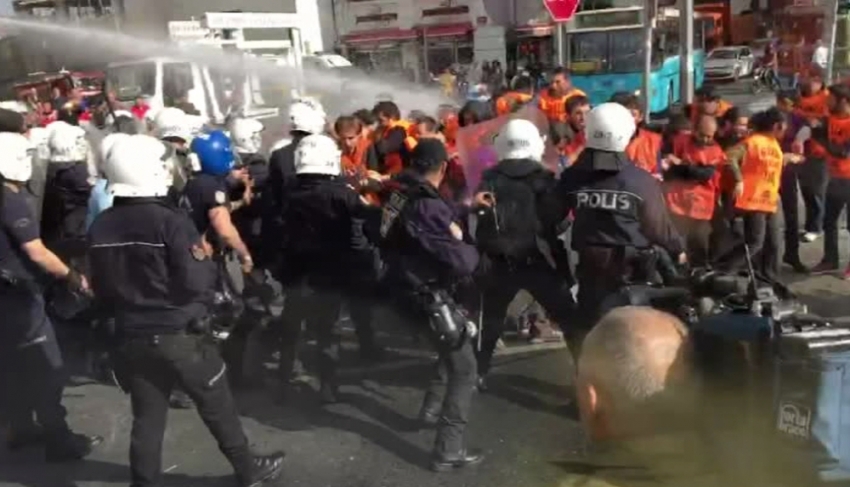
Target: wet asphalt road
524, 424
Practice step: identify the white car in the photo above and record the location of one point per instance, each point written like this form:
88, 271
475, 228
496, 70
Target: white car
729, 63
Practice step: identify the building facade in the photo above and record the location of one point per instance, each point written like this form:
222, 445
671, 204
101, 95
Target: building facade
426, 36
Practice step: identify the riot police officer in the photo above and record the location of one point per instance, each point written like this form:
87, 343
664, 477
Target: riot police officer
306, 117
618, 211
329, 253
152, 272
173, 126
427, 255
206, 195
30, 360
67, 190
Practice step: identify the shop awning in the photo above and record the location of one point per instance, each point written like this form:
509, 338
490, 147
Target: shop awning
446, 30
380, 35
538, 30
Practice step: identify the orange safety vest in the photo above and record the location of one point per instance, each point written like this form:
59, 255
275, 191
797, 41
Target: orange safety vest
393, 163
355, 161
813, 106
510, 101
839, 134
689, 198
722, 107
644, 150
761, 170
555, 108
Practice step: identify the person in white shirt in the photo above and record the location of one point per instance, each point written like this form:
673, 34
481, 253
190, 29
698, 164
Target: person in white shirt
820, 56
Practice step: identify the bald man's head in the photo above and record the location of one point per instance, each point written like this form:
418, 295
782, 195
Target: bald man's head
629, 363
705, 129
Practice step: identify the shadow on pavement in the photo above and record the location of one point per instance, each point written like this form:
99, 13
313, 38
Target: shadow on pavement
35, 474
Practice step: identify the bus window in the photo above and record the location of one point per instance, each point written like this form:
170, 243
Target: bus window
132, 80
626, 48
177, 81
588, 52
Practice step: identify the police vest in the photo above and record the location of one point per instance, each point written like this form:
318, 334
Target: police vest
645, 150
691, 198
839, 135
761, 170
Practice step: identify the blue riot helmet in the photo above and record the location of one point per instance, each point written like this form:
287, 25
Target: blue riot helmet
214, 152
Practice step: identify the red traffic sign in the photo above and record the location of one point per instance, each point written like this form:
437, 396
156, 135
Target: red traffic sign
561, 10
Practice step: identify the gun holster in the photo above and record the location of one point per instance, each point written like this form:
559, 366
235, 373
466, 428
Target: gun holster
448, 320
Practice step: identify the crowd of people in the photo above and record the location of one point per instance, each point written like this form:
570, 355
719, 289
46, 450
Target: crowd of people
375, 209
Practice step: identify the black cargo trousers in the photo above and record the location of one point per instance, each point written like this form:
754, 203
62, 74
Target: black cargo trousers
452, 382
503, 280
148, 368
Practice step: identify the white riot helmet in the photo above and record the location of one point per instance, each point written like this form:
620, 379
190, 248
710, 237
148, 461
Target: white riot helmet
16, 157
609, 127
520, 139
247, 135
109, 121
136, 167
173, 123
318, 154
67, 143
307, 115
107, 143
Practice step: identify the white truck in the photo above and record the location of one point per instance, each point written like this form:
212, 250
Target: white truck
209, 84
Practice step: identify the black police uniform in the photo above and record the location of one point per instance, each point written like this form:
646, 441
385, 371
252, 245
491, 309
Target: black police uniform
507, 237
423, 257
65, 208
149, 273
331, 256
282, 179
618, 211
260, 292
31, 363
203, 193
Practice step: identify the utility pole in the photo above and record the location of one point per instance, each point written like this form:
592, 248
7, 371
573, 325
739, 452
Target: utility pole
686, 51
648, 26
831, 27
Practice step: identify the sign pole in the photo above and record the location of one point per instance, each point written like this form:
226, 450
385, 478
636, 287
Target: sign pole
560, 40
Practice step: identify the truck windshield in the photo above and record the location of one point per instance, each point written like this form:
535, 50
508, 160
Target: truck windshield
618, 51
132, 80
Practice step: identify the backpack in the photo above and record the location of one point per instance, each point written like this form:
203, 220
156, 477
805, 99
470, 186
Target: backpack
510, 228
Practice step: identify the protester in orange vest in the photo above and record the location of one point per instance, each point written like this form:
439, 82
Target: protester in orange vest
812, 103
758, 161
394, 139
514, 100
645, 148
358, 156
708, 102
833, 135
367, 121
553, 101
691, 182
453, 185
572, 138
814, 175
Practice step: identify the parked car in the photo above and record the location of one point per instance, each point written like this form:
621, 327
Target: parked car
729, 63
